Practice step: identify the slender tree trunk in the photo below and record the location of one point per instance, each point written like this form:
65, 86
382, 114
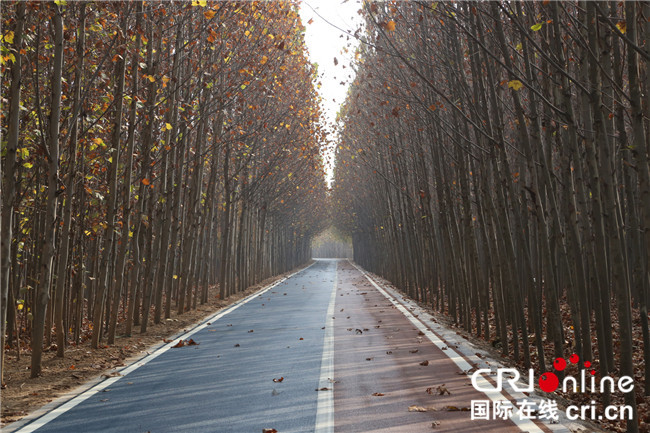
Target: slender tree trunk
47, 256
8, 189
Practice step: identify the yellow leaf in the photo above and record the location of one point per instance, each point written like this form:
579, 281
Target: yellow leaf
536, 27
390, 26
151, 78
264, 60
202, 3
175, 277
28, 165
209, 14
9, 38
621, 26
515, 84
168, 126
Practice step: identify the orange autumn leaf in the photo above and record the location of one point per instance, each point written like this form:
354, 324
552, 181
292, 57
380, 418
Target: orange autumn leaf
390, 26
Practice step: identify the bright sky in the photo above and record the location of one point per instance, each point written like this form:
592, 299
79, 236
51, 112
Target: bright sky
326, 42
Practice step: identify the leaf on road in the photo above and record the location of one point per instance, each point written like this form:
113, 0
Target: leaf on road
323, 389
358, 331
301, 338
251, 331
414, 350
420, 333
378, 394
236, 345
191, 342
425, 362
278, 380
415, 408
269, 430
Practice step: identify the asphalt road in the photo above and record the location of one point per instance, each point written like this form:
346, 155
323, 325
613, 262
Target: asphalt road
261, 365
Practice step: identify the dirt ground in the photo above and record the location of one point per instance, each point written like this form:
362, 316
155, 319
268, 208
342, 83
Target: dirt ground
22, 394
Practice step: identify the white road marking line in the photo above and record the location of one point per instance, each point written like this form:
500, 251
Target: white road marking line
325, 402
55, 413
523, 424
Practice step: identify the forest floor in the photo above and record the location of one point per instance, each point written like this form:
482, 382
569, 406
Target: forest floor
23, 394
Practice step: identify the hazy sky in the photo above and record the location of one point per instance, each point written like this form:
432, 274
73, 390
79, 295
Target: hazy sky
325, 43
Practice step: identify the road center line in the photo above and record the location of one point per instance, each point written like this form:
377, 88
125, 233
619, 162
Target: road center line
325, 402
56, 412
525, 425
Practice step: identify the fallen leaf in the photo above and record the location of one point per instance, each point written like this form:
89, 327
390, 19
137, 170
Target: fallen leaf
323, 389
415, 408
420, 333
179, 344
191, 342
278, 380
425, 362
378, 394
390, 26
251, 331
414, 350
269, 430
358, 331
236, 345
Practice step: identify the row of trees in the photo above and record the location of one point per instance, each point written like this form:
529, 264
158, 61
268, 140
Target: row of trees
494, 163
150, 150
